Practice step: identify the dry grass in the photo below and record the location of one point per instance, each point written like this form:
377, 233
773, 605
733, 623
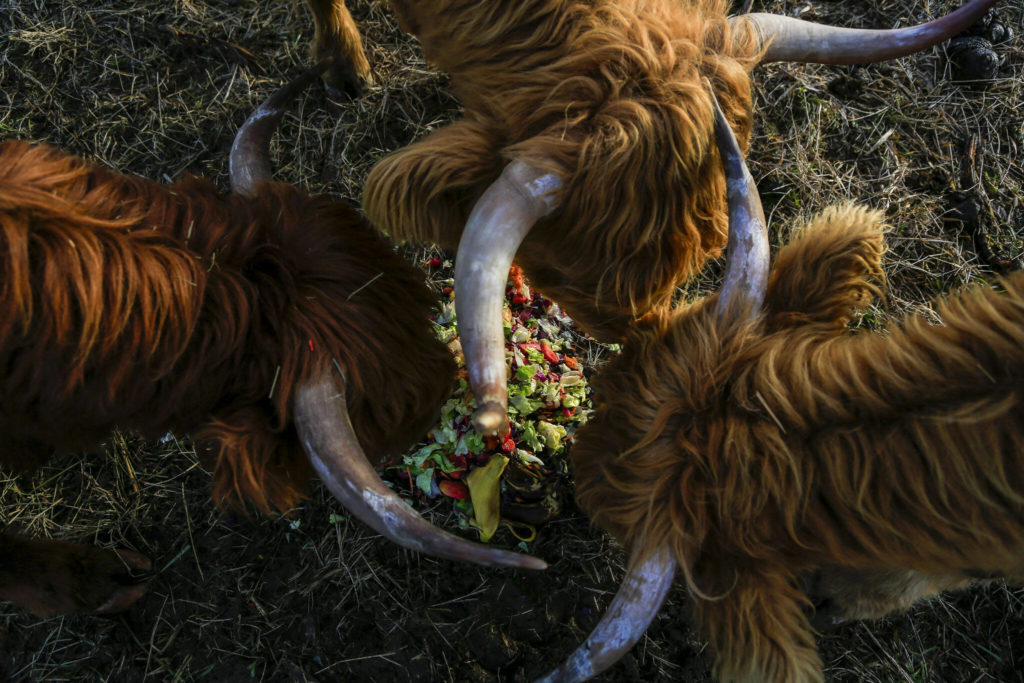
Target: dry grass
321, 598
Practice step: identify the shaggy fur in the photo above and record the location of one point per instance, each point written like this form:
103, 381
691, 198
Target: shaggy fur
126, 303
761, 451
608, 93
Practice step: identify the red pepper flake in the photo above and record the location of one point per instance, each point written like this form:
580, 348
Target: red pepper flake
310, 344
549, 355
434, 262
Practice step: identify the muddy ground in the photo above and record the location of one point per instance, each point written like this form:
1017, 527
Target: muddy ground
319, 597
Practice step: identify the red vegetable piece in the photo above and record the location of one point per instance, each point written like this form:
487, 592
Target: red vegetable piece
453, 489
549, 355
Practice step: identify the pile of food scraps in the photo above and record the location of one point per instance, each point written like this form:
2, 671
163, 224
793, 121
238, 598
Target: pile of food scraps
514, 478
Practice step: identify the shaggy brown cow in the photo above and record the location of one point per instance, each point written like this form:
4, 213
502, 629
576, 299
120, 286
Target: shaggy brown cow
600, 108
249, 321
754, 445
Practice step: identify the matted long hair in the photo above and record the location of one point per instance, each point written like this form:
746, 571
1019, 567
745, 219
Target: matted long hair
127, 303
609, 95
760, 450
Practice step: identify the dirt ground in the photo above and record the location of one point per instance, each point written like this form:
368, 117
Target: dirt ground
318, 597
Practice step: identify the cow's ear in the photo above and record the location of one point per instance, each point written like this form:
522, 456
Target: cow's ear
252, 463
829, 271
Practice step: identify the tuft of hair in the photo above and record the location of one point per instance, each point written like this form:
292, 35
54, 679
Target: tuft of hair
848, 243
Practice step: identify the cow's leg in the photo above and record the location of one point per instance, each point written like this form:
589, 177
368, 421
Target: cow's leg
337, 36
51, 577
758, 629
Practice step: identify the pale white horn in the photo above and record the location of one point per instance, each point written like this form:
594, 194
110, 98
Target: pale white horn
640, 596
249, 162
322, 421
498, 224
796, 40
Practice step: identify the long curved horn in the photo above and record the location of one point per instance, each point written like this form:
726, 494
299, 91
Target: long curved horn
498, 224
795, 40
249, 162
321, 419
633, 608
747, 257
746, 278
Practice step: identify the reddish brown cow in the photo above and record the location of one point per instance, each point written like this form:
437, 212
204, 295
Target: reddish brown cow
750, 440
590, 119
250, 321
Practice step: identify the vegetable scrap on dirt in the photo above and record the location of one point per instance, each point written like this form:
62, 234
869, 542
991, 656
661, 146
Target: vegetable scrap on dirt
549, 399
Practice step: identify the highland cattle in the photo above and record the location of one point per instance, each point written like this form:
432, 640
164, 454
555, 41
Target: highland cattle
751, 440
264, 323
